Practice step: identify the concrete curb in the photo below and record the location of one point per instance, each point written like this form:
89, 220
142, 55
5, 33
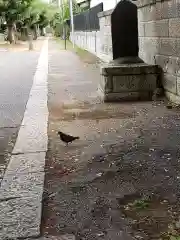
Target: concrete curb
22, 186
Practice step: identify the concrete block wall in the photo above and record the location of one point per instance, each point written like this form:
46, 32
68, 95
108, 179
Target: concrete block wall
159, 41
97, 42
87, 40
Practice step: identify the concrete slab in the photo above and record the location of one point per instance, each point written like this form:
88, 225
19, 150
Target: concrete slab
24, 185
31, 140
38, 119
20, 218
26, 163
37, 99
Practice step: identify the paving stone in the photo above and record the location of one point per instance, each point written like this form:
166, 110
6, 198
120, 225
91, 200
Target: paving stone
23, 185
37, 100
40, 77
31, 139
37, 119
26, 163
20, 218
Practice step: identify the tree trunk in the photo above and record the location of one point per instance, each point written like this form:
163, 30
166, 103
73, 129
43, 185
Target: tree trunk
38, 30
11, 37
30, 40
35, 33
15, 33
41, 31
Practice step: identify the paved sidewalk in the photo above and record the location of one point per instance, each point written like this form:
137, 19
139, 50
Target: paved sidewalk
121, 179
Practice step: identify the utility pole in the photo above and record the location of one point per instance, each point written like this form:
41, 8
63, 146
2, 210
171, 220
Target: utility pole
72, 21
61, 5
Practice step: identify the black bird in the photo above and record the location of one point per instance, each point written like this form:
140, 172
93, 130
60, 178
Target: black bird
67, 138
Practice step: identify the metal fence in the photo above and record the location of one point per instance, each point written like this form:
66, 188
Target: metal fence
88, 20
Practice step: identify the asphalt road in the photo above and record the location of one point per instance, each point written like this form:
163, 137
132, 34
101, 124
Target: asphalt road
16, 77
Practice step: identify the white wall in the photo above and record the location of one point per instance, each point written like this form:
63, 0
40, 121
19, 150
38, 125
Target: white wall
91, 41
108, 4
1, 37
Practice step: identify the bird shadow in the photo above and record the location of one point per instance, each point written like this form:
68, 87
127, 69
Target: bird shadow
73, 146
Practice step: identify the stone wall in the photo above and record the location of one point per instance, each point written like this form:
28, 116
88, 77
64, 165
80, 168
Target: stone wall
97, 42
159, 41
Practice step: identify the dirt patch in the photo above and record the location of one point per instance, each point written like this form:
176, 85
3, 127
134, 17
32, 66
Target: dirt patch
85, 56
151, 218
87, 110
92, 113
21, 46
76, 181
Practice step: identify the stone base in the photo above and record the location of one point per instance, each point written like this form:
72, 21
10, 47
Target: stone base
128, 82
173, 97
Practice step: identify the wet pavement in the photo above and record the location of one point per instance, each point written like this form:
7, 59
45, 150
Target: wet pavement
17, 69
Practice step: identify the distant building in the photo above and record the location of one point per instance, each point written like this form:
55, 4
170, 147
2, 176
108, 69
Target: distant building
108, 4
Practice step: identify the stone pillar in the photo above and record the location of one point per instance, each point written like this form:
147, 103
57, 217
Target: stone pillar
124, 29
126, 77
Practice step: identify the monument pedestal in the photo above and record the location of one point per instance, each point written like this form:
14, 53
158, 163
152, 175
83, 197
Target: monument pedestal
128, 82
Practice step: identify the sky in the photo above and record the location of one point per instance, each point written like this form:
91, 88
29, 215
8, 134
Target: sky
108, 4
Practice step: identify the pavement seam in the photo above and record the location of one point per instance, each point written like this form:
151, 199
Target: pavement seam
11, 127
29, 152
20, 211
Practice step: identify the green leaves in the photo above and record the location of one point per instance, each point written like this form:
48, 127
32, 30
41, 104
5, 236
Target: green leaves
29, 12
63, 14
13, 10
175, 238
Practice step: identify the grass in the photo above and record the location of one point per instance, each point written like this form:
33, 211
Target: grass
69, 46
171, 234
140, 204
83, 54
175, 238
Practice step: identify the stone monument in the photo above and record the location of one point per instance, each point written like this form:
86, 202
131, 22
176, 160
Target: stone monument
126, 77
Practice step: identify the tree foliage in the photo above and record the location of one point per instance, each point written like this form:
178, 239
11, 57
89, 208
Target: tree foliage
20, 14
25, 13
62, 15
13, 10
